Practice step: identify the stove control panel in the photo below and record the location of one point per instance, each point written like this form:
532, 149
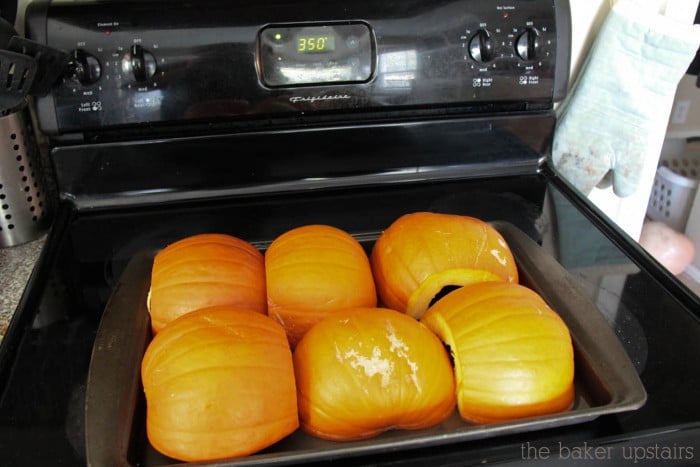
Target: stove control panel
151, 63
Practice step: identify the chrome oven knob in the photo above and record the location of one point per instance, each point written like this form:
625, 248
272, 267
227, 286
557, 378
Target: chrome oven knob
527, 45
140, 63
481, 46
84, 67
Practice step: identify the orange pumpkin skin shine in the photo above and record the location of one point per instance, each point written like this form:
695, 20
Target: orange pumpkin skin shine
312, 271
422, 252
363, 371
205, 270
219, 382
513, 354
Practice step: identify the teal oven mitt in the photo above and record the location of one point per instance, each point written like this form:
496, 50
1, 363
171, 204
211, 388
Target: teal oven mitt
615, 116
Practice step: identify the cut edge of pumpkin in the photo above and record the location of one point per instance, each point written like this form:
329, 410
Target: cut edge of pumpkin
437, 323
421, 298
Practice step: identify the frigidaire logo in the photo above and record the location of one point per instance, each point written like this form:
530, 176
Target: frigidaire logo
312, 99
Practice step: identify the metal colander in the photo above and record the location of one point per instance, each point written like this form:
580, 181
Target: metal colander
23, 207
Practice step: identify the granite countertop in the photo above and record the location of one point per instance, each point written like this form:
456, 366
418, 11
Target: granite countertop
16, 265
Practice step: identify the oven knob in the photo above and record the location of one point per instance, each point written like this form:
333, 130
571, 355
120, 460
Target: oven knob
140, 62
481, 46
84, 68
527, 46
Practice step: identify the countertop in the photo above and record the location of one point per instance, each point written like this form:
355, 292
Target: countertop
16, 265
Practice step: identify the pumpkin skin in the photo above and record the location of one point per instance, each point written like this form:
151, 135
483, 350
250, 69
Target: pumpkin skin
363, 371
312, 271
512, 354
421, 253
219, 382
205, 270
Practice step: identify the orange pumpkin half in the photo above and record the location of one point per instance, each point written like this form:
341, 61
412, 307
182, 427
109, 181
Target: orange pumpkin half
421, 253
512, 354
312, 271
205, 270
219, 382
363, 371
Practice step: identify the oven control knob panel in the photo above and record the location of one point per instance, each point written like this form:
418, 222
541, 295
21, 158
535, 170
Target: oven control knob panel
137, 65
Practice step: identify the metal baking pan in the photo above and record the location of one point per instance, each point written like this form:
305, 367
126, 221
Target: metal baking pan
606, 381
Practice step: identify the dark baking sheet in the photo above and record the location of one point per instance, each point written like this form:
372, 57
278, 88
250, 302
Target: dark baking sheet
606, 381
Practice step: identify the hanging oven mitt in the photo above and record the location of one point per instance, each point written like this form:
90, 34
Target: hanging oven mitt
617, 112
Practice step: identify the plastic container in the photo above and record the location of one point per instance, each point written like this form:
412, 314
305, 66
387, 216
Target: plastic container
673, 190
692, 231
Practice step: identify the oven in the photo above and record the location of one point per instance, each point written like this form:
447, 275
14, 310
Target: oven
175, 118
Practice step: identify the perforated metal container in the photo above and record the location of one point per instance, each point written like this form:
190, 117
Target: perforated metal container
23, 206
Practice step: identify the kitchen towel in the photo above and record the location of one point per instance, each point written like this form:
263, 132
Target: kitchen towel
615, 116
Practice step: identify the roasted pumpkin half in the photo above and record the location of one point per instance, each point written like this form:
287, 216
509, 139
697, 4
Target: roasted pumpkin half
205, 270
513, 354
422, 253
312, 271
363, 371
219, 382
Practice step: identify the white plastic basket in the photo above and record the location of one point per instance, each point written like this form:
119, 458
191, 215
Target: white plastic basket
673, 191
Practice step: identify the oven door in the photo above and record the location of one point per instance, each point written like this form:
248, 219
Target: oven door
489, 169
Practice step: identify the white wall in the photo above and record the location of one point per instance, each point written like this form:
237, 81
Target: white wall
586, 18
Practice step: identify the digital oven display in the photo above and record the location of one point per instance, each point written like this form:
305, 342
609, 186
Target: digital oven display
315, 44
293, 55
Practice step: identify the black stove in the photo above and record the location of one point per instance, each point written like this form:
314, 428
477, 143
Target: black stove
178, 118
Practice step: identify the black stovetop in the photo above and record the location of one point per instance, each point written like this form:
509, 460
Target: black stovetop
46, 353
